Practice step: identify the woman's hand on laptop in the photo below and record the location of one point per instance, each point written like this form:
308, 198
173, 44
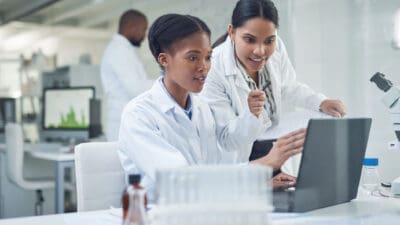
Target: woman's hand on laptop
333, 107
283, 181
284, 148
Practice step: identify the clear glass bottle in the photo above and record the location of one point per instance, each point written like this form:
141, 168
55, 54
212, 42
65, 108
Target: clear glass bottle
370, 177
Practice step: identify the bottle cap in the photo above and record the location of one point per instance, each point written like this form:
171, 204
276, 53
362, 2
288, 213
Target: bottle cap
134, 178
370, 162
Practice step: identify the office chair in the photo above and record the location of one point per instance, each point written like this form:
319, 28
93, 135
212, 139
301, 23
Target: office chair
15, 164
100, 178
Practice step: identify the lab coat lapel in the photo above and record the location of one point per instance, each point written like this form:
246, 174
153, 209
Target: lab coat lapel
161, 98
190, 131
185, 127
241, 83
199, 123
230, 66
275, 81
241, 89
166, 103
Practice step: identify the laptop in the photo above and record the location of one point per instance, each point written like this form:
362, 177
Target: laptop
330, 166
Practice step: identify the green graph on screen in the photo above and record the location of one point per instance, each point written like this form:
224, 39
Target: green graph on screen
70, 120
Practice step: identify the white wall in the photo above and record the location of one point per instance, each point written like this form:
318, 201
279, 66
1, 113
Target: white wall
336, 46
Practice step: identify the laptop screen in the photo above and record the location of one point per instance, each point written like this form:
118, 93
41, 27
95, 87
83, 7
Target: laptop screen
331, 162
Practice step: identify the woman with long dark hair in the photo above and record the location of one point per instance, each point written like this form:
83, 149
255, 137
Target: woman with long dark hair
250, 64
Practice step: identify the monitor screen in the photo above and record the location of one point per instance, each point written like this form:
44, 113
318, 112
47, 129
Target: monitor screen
67, 108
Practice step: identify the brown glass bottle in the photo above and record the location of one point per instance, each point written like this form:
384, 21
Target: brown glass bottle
134, 182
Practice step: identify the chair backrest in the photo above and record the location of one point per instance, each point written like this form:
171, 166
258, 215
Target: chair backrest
100, 178
15, 152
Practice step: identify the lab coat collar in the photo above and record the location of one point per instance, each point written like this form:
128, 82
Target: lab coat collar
229, 64
123, 40
167, 103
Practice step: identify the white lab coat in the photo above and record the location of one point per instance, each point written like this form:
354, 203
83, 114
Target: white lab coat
226, 89
156, 133
123, 77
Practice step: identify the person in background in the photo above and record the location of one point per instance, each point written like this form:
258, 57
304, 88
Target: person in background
122, 72
251, 58
169, 126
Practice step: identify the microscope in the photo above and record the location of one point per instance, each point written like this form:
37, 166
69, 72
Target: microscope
392, 100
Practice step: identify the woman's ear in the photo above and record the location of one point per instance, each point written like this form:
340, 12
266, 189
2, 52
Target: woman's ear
163, 59
231, 32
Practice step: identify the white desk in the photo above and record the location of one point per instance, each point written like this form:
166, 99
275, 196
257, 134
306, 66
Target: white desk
63, 159
356, 212
373, 211
85, 218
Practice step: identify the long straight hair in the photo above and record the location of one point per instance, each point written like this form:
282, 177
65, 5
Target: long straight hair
249, 9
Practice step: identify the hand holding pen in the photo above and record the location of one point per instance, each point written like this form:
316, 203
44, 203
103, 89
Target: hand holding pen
256, 100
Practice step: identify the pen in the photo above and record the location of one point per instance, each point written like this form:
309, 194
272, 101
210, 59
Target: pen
267, 83
264, 88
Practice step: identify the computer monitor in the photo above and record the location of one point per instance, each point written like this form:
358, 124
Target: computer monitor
66, 113
7, 114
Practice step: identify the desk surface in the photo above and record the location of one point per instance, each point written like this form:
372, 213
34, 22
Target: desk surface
382, 210
50, 151
47, 151
95, 217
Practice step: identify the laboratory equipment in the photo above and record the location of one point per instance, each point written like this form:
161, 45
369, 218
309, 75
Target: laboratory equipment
77, 76
370, 177
396, 186
74, 76
66, 113
391, 100
213, 195
95, 127
136, 214
134, 182
7, 114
